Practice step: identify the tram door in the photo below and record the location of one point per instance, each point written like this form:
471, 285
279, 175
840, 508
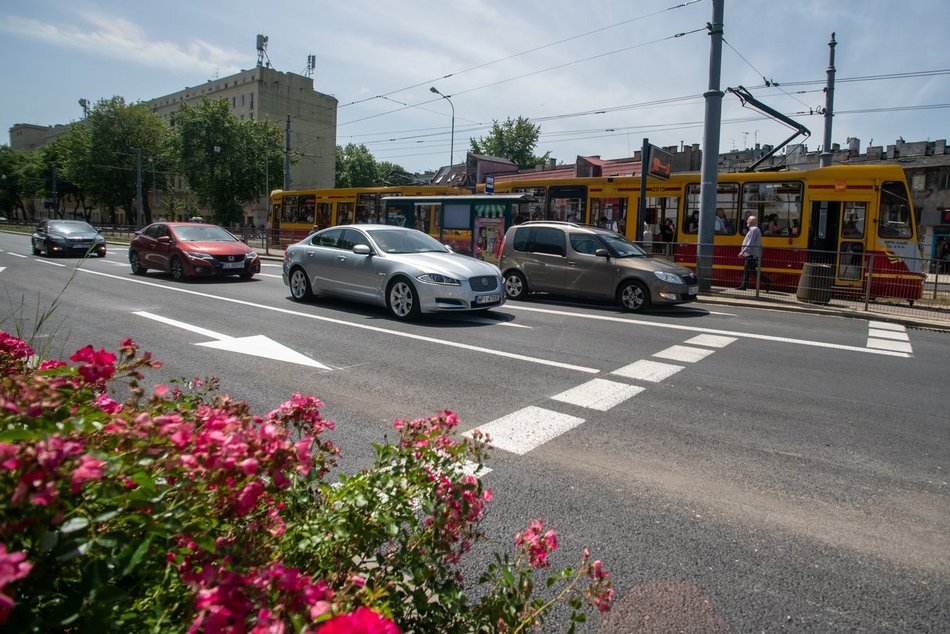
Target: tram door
837, 236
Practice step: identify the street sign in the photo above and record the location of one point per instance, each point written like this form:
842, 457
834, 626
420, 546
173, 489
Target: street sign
489, 183
661, 163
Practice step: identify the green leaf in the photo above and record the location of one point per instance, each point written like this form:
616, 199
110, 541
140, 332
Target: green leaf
74, 525
137, 556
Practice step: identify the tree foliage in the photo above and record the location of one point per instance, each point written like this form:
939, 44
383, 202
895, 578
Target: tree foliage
104, 164
355, 167
224, 158
513, 140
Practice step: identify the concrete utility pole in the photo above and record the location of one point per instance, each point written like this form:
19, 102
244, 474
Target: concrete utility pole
824, 159
287, 155
710, 168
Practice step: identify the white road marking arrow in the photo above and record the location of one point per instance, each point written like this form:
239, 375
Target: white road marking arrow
257, 345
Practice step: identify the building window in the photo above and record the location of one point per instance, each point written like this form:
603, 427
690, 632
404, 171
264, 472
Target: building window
242, 101
251, 98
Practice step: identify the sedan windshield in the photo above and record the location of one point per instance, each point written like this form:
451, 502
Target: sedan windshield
71, 226
620, 246
405, 241
206, 233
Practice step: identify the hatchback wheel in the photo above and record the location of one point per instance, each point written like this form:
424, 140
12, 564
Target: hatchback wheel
299, 285
515, 285
177, 268
136, 264
634, 297
402, 300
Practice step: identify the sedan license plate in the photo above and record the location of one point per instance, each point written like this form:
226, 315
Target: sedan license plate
487, 299
693, 290
232, 265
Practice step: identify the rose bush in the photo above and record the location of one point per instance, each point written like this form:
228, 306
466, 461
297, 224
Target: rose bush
176, 509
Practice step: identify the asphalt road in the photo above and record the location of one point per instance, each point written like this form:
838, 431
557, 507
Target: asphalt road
737, 469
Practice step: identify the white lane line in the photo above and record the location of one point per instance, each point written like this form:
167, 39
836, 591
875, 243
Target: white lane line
686, 354
50, 263
271, 275
114, 263
17, 255
885, 325
888, 334
712, 331
651, 371
2, 269
276, 266
712, 341
598, 394
530, 427
341, 322
884, 344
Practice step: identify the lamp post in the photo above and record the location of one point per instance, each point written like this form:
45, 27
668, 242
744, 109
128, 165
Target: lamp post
452, 146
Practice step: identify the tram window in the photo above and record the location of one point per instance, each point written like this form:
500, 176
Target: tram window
367, 208
853, 220
727, 200
614, 209
323, 215
305, 214
288, 211
344, 213
895, 211
778, 206
534, 210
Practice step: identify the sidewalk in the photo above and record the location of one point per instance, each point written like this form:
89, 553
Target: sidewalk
903, 314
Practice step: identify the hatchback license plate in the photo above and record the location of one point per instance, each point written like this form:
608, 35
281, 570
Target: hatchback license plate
693, 290
487, 299
232, 265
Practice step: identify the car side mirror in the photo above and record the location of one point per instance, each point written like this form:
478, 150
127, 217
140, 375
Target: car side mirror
164, 239
602, 253
362, 249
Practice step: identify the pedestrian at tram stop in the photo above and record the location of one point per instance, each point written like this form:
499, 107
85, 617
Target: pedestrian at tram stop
752, 252
647, 234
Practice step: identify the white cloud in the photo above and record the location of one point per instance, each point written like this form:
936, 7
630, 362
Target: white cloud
118, 39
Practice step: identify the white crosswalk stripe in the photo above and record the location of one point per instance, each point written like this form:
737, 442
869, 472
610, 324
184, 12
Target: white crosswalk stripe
598, 394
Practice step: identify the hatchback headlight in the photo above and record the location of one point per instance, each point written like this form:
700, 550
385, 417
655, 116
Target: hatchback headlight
438, 278
251, 256
199, 256
668, 277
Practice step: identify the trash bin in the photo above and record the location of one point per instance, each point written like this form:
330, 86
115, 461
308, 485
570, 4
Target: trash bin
814, 286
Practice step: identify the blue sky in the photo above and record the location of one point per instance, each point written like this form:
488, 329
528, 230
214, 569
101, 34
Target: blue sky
597, 77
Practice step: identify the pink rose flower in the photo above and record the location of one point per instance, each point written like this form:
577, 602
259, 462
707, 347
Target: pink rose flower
361, 621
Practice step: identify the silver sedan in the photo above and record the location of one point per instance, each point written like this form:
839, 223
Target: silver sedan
405, 270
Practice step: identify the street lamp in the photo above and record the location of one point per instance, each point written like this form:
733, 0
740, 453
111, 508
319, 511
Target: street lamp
452, 146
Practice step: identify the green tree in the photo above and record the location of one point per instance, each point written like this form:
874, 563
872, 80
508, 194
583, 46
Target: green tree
14, 185
224, 157
117, 134
513, 140
355, 167
393, 174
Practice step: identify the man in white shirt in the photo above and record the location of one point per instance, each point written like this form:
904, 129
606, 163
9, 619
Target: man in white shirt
752, 251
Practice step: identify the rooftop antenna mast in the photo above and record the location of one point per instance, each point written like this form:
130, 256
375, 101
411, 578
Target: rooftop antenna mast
262, 50
311, 65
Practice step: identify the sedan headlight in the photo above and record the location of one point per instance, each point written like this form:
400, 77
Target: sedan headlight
438, 278
668, 277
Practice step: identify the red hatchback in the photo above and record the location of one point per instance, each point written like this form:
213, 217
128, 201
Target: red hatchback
191, 249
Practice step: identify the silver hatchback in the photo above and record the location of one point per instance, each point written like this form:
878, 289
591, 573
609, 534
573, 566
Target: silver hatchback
564, 258
404, 270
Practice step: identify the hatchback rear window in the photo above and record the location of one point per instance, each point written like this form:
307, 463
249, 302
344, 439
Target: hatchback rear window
540, 240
